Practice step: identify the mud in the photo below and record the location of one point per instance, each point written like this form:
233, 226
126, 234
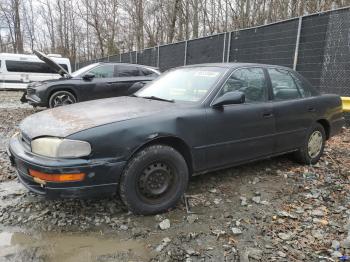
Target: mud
69, 247
272, 210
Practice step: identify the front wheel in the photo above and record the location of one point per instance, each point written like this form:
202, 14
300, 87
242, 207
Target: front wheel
61, 98
154, 180
313, 147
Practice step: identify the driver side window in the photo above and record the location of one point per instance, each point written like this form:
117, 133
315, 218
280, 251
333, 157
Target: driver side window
105, 71
250, 81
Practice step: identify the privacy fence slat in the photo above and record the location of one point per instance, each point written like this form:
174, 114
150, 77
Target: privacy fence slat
205, 50
321, 52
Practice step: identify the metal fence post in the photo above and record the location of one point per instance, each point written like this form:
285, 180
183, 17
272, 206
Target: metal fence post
120, 57
223, 50
185, 58
296, 52
158, 56
229, 46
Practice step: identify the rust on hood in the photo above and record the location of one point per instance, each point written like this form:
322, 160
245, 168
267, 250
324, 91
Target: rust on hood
66, 120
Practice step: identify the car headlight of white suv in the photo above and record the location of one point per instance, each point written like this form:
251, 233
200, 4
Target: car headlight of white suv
60, 148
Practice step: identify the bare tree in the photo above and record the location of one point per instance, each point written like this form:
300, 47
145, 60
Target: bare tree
90, 29
29, 22
173, 21
11, 14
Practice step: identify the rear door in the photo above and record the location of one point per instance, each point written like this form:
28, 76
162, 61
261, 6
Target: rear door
241, 132
126, 76
293, 110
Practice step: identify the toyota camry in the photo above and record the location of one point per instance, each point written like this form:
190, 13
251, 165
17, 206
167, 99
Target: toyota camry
191, 120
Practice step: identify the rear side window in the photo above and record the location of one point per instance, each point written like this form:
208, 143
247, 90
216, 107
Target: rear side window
283, 84
147, 72
127, 71
30, 67
105, 71
306, 89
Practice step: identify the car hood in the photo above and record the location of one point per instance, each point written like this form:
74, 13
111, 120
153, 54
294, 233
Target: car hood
59, 69
66, 120
52, 81
48, 81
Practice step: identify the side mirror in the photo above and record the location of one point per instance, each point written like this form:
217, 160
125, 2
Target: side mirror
88, 76
230, 98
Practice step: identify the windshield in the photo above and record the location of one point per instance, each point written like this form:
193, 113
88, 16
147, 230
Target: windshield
183, 84
83, 70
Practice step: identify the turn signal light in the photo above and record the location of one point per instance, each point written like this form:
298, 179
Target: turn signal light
57, 177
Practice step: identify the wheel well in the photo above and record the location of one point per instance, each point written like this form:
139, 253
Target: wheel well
176, 143
326, 127
62, 89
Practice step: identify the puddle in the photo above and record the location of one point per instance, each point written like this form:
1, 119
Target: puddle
9, 192
52, 247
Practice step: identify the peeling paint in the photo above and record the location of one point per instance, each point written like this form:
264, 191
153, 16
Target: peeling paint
64, 121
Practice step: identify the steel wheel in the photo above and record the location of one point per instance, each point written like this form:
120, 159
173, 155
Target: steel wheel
315, 144
62, 98
155, 181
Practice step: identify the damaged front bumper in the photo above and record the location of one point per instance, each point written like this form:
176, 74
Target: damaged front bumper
101, 176
29, 96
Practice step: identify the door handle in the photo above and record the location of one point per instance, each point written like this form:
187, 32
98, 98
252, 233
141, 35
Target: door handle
267, 115
311, 109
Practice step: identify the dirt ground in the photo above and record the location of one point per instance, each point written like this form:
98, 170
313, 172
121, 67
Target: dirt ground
272, 210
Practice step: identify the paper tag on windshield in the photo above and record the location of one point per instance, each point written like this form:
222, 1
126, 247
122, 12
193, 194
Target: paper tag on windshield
206, 74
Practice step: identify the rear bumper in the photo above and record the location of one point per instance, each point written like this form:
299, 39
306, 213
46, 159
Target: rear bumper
102, 176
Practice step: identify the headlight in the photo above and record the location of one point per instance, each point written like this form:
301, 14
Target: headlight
60, 148
36, 84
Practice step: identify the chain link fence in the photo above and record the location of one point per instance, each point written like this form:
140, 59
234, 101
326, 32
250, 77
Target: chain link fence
317, 46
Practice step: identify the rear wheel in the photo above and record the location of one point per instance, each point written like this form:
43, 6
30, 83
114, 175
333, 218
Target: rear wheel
313, 147
61, 98
154, 180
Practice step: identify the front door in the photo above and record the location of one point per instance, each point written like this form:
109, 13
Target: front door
100, 85
241, 132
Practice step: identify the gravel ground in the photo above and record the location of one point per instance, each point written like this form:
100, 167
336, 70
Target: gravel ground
272, 210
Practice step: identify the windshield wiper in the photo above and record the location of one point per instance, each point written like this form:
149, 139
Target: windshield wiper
158, 98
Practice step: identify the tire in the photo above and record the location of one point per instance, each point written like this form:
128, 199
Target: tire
311, 152
154, 180
61, 98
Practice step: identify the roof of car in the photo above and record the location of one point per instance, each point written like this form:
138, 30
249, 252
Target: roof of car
128, 64
234, 65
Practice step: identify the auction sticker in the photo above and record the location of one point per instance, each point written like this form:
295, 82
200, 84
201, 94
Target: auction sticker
207, 74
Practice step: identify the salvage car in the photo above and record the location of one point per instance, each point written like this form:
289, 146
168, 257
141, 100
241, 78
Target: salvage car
191, 120
95, 81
